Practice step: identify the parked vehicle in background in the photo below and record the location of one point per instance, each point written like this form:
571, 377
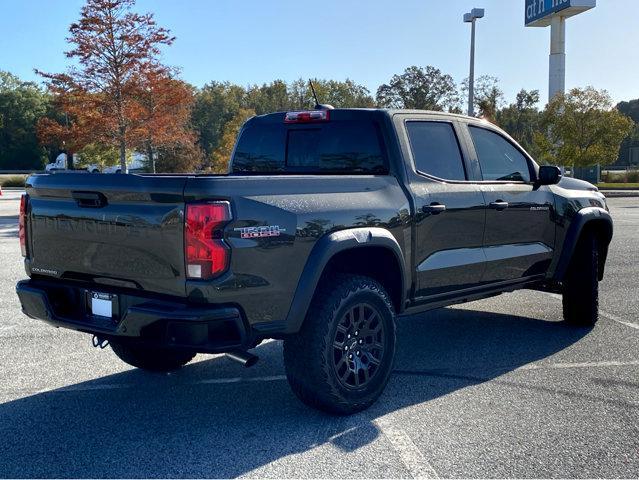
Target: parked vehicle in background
331, 224
60, 164
138, 164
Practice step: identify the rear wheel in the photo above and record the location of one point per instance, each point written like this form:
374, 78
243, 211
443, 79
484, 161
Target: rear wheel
342, 358
155, 359
581, 284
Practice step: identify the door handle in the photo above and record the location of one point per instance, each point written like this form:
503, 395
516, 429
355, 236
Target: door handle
434, 208
499, 205
89, 199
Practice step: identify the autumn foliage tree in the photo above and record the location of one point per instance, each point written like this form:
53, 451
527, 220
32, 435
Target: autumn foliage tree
118, 93
164, 124
219, 159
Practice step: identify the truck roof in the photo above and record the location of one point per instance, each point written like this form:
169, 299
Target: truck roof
386, 111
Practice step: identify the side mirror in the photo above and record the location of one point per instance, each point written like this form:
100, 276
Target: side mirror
548, 175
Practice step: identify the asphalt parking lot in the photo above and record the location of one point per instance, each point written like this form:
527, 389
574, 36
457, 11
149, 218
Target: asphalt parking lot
496, 388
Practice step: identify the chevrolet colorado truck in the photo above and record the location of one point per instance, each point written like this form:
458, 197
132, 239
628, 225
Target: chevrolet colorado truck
330, 224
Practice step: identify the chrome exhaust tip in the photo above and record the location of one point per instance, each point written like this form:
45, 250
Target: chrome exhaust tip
245, 358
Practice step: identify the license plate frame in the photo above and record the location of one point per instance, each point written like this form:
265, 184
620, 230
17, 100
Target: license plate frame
102, 305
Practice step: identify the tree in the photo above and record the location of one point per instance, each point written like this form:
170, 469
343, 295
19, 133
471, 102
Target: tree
488, 97
420, 88
178, 157
222, 154
346, 94
270, 97
631, 109
22, 104
116, 50
166, 113
97, 154
521, 119
215, 104
582, 129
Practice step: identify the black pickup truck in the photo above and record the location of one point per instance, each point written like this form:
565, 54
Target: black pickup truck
329, 225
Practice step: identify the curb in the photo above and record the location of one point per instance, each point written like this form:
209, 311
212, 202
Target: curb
620, 193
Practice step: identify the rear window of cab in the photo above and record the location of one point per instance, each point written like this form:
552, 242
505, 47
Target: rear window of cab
331, 147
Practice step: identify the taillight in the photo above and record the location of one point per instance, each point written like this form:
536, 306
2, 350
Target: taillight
309, 116
207, 255
22, 224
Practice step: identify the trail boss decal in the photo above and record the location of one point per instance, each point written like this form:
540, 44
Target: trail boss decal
260, 232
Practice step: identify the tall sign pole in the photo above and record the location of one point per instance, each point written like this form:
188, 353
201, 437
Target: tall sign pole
471, 74
471, 17
553, 13
557, 63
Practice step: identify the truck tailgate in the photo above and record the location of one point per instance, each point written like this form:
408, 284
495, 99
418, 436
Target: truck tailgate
123, 230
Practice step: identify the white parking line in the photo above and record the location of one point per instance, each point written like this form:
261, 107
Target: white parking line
615, 318
612, 363
603, 313
411, 456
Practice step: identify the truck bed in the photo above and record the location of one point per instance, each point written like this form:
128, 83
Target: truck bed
128, 231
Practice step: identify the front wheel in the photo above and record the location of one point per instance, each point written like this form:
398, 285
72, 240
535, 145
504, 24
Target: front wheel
581, 285
341, 359
156, 359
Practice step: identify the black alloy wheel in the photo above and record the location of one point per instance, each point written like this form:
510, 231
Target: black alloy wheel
358, 346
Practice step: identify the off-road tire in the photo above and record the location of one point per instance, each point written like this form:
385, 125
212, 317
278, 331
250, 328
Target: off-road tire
308, 355
581, 284
155, 359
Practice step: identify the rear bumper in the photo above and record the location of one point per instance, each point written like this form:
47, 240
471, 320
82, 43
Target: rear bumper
205, 328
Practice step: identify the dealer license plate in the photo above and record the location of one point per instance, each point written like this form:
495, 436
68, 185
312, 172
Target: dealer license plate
102, 304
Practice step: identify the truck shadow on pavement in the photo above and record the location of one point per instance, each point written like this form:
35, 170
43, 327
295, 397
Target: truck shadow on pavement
214, 418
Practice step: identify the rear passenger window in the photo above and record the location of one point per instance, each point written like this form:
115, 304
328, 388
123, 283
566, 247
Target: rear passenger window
436, 150
498, 158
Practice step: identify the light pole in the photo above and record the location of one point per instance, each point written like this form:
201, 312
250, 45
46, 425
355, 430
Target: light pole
470, 17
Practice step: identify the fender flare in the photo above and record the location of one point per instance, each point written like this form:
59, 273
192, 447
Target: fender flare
323, 250
585, 216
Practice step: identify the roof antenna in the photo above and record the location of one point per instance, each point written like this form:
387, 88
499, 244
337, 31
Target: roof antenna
319, 106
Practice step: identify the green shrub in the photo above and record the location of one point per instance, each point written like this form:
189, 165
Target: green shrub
631, 176
616, 177
13, 182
